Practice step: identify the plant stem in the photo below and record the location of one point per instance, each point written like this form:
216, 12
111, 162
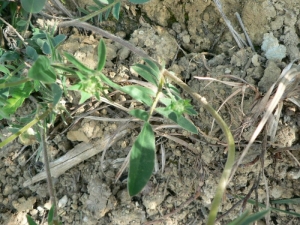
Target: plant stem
92, 14
27, 24
48, 172
157, 97
16, 83
231, 146
61, 7
25, 128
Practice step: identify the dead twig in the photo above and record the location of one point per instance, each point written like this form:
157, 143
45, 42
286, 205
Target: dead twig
51, 189
244, 30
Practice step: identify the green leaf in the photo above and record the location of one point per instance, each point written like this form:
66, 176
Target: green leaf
107, 14
189, 110
77, 64
139, 1
110, 83
4, 93
146, 72
165, 101
256, 216
56, 93
31, 53
246, 219
9, 56
139, 113
153, 65
253, 202
30, 220
51, 215
179, 119
58, 39
173, 89
46, 48
18, 95
240, 219
41, 70
84, 96
101, 55
140, 93
75, 87
116, 10
295, 201
141, 162
33, 6
22, 23
4, 70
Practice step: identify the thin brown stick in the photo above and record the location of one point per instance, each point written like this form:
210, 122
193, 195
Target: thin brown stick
62, 8
48, 172
97, 30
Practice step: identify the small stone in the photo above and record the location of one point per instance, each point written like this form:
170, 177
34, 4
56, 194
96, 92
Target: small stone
294, 174
227, 70
62, 202
186, 39
255, 60
7, 190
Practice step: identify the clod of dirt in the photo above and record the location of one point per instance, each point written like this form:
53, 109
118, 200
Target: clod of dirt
273, 50
89, 129
84, 48
256, 16
98, 202
157, 42
271, 74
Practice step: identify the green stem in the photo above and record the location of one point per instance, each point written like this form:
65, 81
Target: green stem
92, 14
20, 67
25, 128
16, 83
27, 24
231, 147
157, 97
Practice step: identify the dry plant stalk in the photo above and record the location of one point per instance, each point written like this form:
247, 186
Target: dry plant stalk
81, 152
287, 84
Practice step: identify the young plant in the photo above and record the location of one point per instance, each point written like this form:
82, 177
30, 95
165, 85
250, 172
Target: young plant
50, 220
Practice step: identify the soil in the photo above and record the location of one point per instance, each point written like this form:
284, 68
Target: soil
192, 39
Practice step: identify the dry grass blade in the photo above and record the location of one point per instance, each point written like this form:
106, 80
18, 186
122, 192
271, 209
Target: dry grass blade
123, 167
145, 84
242, 86
240, 42
229, 83
163, 158
179, 141
296, 160
273, 122
285, 81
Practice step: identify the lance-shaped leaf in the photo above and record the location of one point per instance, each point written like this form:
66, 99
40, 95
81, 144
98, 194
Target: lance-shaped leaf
141, 162
101, 55
147, 73
179, 119
79, 65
